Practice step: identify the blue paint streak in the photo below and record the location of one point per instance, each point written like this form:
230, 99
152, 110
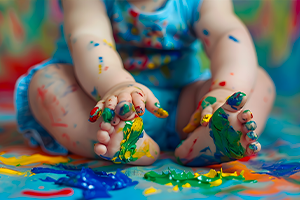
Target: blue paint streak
205, 32
233, 39
93, 184
97, 44
279, 169
48, 179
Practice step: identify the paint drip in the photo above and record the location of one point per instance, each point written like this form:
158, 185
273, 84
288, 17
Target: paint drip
188, 179
93, 184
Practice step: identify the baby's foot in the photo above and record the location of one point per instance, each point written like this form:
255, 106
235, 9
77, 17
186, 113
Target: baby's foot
125, 141
229, 136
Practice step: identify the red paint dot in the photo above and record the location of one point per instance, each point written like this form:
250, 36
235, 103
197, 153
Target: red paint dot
247, 158
265, 99
223, 83
63, 192
105, 68
206, 41
251, 90
232, 74
133, 13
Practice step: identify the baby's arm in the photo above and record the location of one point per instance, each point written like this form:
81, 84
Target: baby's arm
233, 58
228, 45
98, 66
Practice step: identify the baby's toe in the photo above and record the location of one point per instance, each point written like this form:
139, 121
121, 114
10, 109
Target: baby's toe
100, 149
106, 127
245, 116
253, 148
251, 136
125, 110
249, 126
103, 137
235, 102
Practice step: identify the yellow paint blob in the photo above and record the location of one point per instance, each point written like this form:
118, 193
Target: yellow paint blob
216, 183
228, 174
211, 174
187, 185
100, 68
169, 184
151, 190
196, 175
7, 171
176, 189
144, 150
127, 154
206, 118
151, 65
161, 113
36, 158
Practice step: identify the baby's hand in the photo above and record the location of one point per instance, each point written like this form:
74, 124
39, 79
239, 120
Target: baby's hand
127, 100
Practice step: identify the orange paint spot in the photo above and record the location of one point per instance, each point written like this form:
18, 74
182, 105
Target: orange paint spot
64, 135
265, 99
106, 68
251, 90
232, 74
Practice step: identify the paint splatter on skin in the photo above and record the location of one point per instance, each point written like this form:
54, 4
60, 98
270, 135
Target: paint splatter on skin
59, 193
100, 64
226, 139
251, 125
160, 112
95, 114
95, 94
108, 115
205, 181
208, 101
235, 99
233, 39
205, 32
93, 184
11, 172
223, 83
36, 158
109, 44
132, 132
69, 89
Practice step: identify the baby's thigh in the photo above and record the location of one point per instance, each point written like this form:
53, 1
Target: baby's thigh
61, 106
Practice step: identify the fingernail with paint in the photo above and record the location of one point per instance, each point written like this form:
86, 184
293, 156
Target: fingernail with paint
139, 110
108, 115
160, 112
254, 146
95, 114
252, 135
251, 125
206, 118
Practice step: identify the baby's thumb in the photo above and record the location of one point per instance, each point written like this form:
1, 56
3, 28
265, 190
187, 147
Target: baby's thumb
153, 105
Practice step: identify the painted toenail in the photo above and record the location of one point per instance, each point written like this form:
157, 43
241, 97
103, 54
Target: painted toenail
95, 114
252, 135
254, 146
245, 111
139, 110
251, 125
206, 118
235, 99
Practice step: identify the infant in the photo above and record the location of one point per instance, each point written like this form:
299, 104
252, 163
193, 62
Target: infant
126, 81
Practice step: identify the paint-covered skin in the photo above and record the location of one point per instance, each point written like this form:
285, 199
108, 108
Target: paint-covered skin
126, 143
95, 114
198, 117
160, 112
227, 137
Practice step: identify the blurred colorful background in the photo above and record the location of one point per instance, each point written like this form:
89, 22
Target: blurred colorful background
28, 33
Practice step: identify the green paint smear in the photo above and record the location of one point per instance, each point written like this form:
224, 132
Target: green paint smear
226, 139
208, 101
182, 178
125, 109
132, 132
157, 104
236, 99
108, 115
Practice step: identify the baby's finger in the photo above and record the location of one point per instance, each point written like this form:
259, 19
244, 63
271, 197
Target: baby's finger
109, 110
138, 102
125, 110
153, 105
194, 122
97, 111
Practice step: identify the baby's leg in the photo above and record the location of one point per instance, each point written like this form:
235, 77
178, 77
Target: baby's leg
230, 134
62, 108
